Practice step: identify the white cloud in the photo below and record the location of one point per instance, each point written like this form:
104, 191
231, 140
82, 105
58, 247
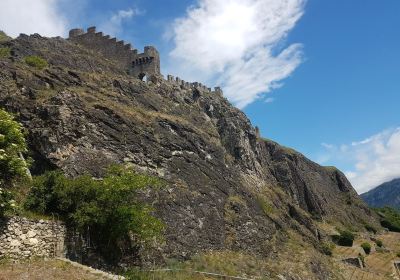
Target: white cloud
113, 26
28, 16
269, 100
236, 43
327, 146
375, 160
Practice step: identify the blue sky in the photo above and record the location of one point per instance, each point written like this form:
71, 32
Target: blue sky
317, 76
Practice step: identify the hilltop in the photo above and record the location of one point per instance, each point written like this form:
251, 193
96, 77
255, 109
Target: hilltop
228, 189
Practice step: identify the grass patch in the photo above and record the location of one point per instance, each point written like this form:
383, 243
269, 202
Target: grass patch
327, 248
233, 207
4, 37
36, 61
370, 228
227, 263
5, 52
265, 205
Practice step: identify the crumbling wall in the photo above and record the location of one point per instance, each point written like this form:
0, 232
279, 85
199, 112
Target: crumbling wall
138, 65
186, 85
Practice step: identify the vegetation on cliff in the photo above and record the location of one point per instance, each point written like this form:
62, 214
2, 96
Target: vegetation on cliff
109, 206
390, 218
12, 145
4, 37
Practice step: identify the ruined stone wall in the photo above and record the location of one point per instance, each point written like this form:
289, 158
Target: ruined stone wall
186, 85
25, 238
138, 65
118, 51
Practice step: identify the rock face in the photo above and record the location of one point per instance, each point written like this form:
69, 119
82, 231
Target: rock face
387, 194
23, 238
227, 187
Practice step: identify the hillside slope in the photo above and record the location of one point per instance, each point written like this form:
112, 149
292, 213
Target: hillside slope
228, 189
386, 194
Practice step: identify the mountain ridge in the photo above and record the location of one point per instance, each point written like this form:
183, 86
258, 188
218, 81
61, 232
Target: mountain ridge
386, 194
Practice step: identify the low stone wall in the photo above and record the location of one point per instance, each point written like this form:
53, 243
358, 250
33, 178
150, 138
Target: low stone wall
25, 238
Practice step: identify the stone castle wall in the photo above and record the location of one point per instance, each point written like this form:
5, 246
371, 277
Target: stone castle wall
24, 238
187, 85
139, 65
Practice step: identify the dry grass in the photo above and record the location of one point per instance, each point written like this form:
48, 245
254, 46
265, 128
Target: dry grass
379, 264
295, 260
42, 269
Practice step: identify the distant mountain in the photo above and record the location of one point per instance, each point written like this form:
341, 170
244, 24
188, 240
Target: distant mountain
387, 194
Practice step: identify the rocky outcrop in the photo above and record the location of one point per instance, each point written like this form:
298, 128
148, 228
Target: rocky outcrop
227, 187
24, 238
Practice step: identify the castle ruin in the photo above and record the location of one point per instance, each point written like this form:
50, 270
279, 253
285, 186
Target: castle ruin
140, 65
136, 64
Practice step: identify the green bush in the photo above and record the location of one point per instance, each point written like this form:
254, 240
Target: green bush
109, 206
36, 61
398, 254
12, 145
345, 238
327, 248
5, 52
390, 218
379, 243
367, 247
371, 228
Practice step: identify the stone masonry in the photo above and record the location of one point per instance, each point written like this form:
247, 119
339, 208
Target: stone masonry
139, 65
136, 64
25, 238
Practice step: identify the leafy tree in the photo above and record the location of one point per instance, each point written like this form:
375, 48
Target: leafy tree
6, 201
12, 145
109, 206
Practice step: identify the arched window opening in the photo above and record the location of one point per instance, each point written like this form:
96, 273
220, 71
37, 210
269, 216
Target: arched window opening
143, 77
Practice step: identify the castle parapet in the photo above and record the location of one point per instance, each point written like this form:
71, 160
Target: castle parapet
139, 65
91, 29
76, 32
195, 85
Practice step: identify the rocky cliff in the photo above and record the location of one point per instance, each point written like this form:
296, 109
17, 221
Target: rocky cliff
228, 188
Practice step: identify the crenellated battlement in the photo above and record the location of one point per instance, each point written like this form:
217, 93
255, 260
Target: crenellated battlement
139, 65
128, 58
187, 85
